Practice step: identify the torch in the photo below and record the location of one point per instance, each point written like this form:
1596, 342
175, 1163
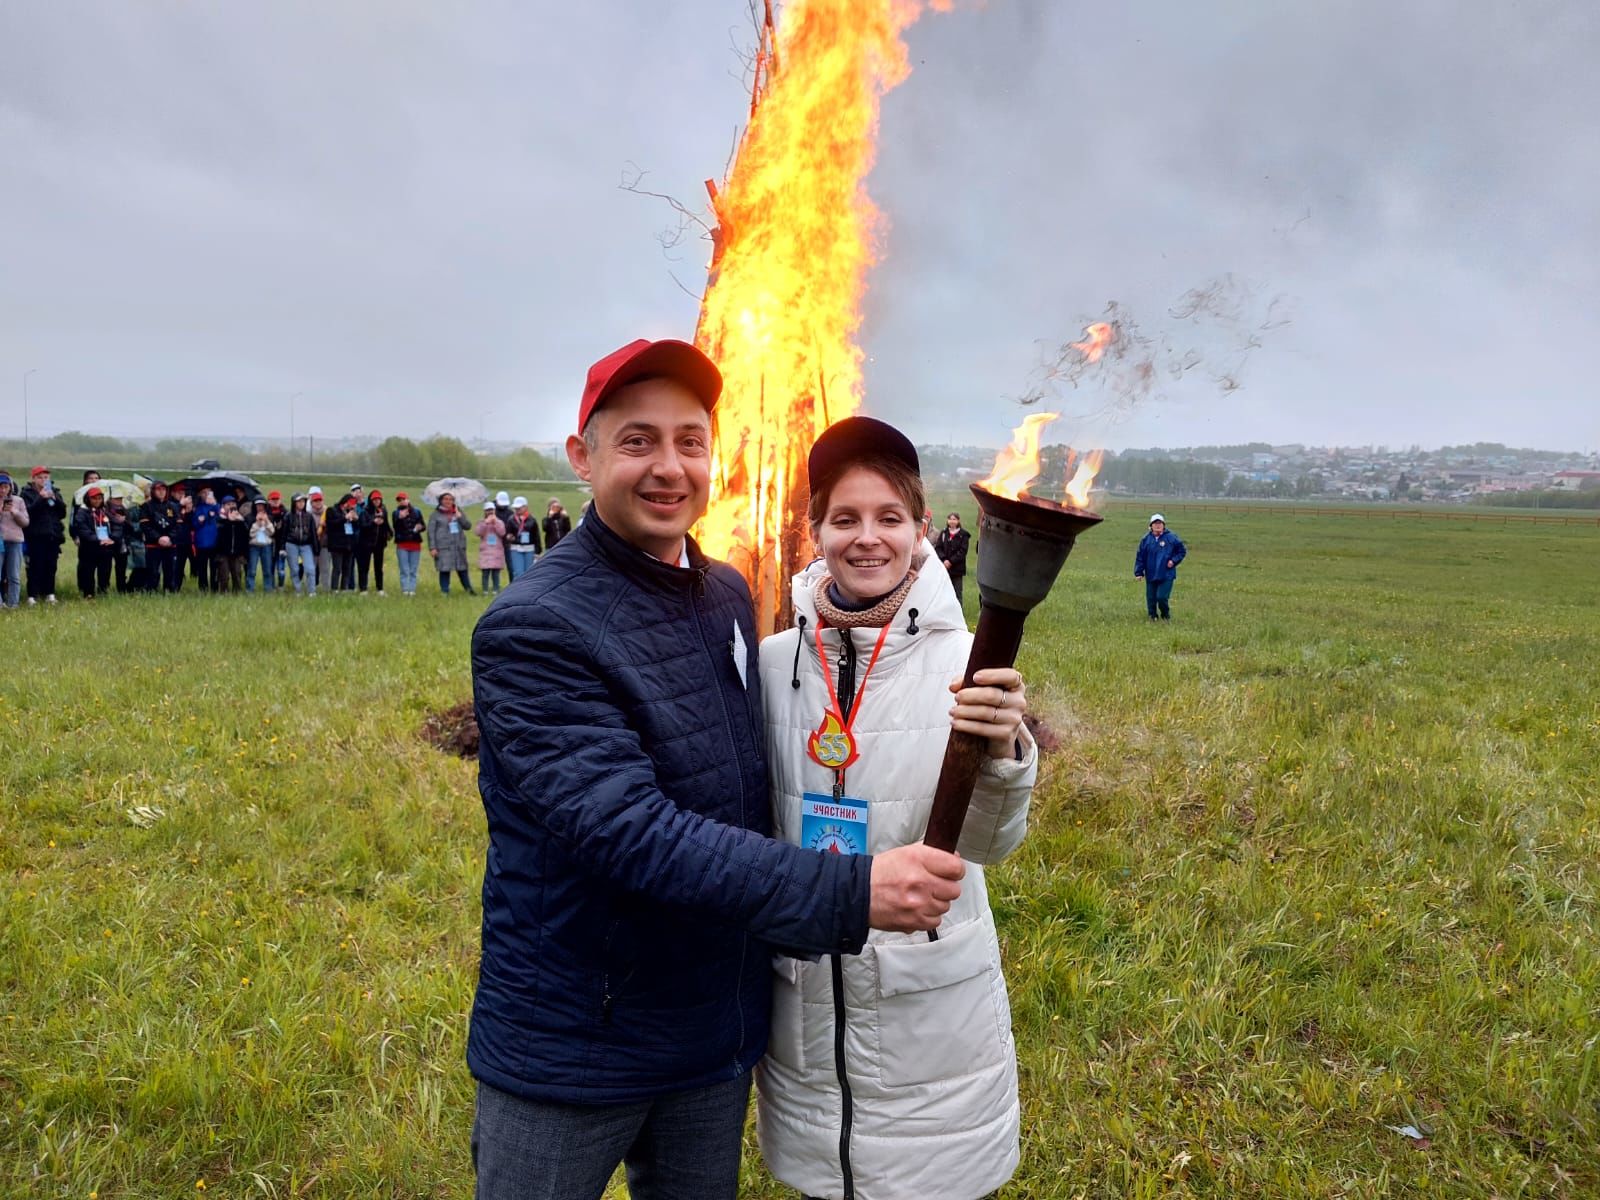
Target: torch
1023, 542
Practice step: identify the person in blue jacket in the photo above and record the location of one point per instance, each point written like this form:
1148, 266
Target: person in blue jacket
633, 897
1156, 562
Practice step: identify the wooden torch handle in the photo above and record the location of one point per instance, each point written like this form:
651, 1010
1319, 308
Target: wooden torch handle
994, 644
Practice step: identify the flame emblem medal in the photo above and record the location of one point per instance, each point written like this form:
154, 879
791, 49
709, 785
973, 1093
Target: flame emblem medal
832, 745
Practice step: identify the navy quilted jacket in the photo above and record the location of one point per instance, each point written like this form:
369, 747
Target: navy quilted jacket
632, 898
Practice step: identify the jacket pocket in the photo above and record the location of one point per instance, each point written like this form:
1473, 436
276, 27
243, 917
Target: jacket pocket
937, 1011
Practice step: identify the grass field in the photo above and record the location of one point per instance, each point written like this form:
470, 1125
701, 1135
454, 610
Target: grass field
1318, 858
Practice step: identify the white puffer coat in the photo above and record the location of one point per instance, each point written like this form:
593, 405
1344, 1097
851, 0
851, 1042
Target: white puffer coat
927, 1047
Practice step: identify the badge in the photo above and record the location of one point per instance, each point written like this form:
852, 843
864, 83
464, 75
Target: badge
832, 745
834, 826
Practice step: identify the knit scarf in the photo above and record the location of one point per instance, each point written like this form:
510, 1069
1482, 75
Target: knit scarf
876, 617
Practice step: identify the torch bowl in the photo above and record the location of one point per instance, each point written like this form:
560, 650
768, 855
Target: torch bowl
1022, 544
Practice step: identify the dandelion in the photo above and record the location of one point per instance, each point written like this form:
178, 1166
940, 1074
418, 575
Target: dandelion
199, 1185
244, 981
51, 843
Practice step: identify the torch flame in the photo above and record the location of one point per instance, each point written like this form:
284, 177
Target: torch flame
1098, 337
1017, 465
796, 234
1083, 478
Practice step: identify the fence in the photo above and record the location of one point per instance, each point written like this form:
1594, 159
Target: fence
1495, 517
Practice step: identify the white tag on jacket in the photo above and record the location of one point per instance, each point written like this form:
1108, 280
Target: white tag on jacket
740, 655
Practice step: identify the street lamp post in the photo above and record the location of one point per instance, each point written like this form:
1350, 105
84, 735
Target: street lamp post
26, 440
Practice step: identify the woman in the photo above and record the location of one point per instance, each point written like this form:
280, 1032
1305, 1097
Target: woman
1156, 562
858, 712
951, 549
339, 534
491, 533
13, 537
447, 543
556, 523
302, 541
522, 539
263, 548
91, 529
408, 524
372, 537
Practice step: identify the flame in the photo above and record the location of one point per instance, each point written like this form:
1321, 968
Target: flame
1082, 480
1097, 337
796, 236
1017, 465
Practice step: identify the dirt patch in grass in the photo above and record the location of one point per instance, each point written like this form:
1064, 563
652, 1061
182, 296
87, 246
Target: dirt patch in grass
453, 730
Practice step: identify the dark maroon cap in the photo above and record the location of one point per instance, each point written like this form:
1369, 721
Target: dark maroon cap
644, 359
853, 439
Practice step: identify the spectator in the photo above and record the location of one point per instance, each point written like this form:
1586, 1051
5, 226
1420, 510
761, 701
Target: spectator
160, 519
133, 541
408, 524
13, 537
951, 547
185, 535
263, 549
318, 508
47, 517
1156, 562
447, 543
372, 537
502, 507
280, 554
339, 531
120, 541
233, 547
302, 537
556, 523
91, 529
522, 539
203, 521
89, 476
491, 533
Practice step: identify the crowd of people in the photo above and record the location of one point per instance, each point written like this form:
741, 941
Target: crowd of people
233, 541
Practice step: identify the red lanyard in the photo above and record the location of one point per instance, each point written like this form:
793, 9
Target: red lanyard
833, 744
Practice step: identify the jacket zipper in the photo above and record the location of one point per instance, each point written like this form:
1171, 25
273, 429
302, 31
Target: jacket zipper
697, 593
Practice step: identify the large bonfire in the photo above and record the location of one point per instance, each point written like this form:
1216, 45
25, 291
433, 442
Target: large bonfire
796, 235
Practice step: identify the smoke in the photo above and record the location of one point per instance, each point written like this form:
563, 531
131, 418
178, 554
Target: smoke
1207, 336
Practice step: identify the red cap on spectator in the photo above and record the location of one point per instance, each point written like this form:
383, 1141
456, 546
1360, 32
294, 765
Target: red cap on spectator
39, 471
645, 359
94, 491
401, 496
274, 495
374, 494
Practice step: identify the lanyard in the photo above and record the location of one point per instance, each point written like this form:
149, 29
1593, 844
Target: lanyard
833, 744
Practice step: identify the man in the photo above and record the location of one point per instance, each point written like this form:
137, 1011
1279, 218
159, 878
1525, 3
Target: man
556, 524
1156, 562
632, 898
161, 525
47, 533
951, 547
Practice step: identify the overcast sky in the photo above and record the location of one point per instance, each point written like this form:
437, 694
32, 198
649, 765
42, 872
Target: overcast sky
408, 212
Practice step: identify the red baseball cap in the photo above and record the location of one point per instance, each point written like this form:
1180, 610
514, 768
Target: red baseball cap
644, 359
401, 496
41, 471
274, 495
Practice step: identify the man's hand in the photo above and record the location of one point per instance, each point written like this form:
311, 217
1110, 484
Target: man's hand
912, 887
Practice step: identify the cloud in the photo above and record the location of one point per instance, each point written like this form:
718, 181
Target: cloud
410, 212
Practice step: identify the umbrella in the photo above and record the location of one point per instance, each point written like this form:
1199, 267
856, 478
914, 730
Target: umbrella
114, 489
466, 491
220, 482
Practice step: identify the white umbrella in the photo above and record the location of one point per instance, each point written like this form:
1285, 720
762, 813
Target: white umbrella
466, 491
112, 489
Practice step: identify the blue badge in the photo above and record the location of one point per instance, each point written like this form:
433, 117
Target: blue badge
837, 826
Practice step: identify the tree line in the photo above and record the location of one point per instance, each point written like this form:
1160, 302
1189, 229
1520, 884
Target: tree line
432, 457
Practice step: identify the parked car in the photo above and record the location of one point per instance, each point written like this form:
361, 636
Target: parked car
206, 464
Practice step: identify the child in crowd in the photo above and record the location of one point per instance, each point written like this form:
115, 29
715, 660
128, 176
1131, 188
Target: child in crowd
491, 533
